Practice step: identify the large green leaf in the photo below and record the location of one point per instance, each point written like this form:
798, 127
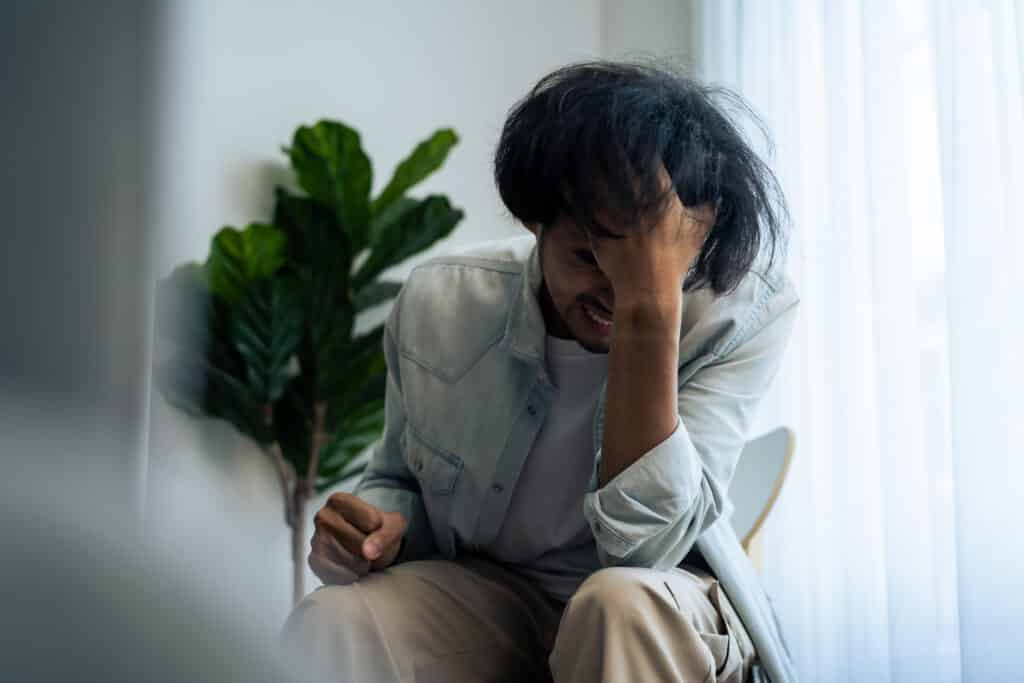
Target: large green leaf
357, 433
267, 329
416, 229
329, 324
360, 360
376, 293
315, 237
238, 257
333, 168
364, 389
321, 256
268, 294
232, 400
293, 425
387, 216
428, 156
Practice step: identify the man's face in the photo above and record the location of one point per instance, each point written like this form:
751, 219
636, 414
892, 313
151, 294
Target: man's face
577, 298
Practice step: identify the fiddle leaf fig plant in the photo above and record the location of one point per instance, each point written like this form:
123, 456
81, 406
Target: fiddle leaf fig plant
264, 332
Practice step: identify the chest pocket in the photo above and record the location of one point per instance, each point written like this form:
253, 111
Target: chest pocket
436, 469
437, 472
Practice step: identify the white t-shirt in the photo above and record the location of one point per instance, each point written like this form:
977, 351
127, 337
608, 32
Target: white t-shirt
545, 535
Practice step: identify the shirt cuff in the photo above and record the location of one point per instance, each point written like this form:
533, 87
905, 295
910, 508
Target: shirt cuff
652, 493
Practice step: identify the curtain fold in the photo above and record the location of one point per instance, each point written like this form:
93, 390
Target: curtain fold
895, 553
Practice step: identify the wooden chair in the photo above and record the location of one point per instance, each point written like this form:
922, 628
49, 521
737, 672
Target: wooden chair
760, 473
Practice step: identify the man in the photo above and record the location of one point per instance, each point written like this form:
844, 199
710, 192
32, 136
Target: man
565, 412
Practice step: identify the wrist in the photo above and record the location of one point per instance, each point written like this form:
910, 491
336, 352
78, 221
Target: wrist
648, 321
651, 307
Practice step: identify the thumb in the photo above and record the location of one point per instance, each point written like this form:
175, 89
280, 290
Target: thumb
389, 533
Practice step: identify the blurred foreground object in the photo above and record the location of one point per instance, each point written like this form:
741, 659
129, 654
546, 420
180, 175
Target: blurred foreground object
83, 605
264, 330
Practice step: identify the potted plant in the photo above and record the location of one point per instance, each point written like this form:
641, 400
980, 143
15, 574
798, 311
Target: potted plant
263, 332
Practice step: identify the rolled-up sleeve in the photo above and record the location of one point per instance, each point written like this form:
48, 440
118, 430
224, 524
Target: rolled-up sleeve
653, 511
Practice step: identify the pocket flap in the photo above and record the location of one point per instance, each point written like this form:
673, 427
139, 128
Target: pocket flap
436, 468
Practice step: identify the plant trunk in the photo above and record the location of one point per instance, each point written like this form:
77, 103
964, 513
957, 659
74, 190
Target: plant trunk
298, 502
304, 488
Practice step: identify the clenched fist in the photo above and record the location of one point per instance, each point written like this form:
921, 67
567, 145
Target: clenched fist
353, 537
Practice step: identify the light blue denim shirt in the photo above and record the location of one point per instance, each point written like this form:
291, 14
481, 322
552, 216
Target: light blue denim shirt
468, 391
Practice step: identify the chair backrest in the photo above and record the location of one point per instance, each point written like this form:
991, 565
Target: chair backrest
758, 479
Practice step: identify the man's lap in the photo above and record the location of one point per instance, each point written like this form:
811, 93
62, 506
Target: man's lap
471, 619
429, 615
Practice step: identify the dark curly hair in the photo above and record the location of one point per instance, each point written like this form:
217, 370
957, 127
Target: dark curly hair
590, 139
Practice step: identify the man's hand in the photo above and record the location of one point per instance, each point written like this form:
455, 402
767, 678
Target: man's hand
647, 267
352, 537
646, 270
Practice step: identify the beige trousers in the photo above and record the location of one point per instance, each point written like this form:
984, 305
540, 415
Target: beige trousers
472, 620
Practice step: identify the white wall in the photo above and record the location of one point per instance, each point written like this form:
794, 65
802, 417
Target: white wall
239, 77
665, 29
246, 74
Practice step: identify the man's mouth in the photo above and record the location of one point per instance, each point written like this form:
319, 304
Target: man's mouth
599, 316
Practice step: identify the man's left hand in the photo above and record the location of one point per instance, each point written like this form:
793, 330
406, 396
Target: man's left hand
647, 267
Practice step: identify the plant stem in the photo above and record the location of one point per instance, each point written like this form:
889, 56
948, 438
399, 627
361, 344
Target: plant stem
286, 477
298, 509
295, 492
303, 491
319, 436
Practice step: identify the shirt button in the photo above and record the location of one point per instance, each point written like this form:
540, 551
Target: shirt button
531, 409
497, 488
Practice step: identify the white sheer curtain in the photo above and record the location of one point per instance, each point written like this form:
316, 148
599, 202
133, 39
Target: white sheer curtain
896, 551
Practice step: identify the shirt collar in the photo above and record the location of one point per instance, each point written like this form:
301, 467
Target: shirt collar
524, 333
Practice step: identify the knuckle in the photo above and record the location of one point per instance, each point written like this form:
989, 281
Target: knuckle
338, 499
314, 564
317, 554
395, 522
